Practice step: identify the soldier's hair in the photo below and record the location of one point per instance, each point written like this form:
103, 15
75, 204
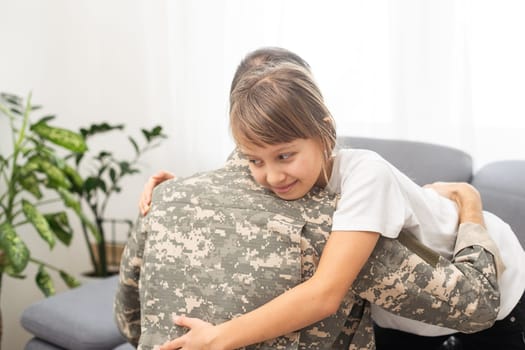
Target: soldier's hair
266, 55
276, 101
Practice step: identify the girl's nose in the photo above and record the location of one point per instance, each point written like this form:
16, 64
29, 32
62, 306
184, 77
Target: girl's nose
275, 177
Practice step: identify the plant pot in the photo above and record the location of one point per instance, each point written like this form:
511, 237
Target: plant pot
114, 252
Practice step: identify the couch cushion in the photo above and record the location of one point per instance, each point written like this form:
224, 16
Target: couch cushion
423, 162
79, 319
39, 344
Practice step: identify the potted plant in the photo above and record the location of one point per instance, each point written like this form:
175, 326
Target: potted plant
104, 172
33, 175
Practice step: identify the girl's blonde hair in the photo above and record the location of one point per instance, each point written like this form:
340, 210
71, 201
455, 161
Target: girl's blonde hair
278, 102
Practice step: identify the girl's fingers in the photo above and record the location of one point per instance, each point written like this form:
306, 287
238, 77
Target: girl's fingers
173, 344
188, 322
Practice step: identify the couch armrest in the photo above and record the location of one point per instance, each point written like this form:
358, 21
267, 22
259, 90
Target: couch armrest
502, 188
80, 318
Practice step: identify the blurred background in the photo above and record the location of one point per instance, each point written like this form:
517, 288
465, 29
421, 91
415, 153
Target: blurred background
450, 72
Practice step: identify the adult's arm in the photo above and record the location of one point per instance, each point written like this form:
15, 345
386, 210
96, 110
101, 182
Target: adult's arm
462, 293
126, 305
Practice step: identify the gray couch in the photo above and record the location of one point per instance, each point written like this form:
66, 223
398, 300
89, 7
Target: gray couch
82, 318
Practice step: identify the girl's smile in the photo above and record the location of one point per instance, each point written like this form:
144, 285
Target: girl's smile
283, 189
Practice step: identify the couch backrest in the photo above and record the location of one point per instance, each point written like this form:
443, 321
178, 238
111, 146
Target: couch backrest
422, 162
501, 184
502, 188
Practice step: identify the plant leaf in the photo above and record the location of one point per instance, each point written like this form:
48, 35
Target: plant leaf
75, 205
135, 145
124, 168
69, 200
92, 183
44, 282
31, 165
46, 119
14, 275
59, 224
15, 249
70, 281
113, 175
146, 134
56, 177
16, 111
100, 128
12, 99
153, 133
39, 222
74, 177
102, 155
78, 158
102, 169
29, 182
102, 186
61, 137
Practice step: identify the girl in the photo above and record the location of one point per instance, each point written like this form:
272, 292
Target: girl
282, 126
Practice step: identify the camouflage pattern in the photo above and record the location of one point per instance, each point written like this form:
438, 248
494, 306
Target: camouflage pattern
462, 294
216, 245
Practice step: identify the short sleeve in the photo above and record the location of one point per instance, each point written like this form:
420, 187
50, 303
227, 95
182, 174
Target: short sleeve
370, 197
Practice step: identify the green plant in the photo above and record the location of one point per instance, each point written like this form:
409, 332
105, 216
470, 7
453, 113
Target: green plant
40, 171
105, 172
34, 176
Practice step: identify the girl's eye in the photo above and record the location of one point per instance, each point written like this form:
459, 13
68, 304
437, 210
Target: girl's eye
255, 162
285, 156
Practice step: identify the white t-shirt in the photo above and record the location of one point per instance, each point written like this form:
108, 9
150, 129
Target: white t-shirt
375, 196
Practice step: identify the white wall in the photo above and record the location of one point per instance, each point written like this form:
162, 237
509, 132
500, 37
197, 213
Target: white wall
85, 62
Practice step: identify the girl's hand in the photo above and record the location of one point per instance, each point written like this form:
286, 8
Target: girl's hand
145, 196
199, 337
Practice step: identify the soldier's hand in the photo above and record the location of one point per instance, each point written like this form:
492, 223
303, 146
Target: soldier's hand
445, 189
145, 196
200, 335
466, 197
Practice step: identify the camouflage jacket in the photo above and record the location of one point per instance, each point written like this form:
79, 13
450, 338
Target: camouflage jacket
216, 245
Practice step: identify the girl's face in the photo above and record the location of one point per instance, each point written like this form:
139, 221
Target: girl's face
290, 170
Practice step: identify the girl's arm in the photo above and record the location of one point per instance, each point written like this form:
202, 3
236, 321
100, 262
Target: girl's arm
343, 257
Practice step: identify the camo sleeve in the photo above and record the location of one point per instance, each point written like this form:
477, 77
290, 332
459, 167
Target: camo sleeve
127, 303
461, 294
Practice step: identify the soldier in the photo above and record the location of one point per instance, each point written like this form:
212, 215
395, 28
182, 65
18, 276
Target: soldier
290, 162
170, 253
